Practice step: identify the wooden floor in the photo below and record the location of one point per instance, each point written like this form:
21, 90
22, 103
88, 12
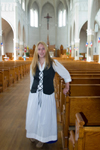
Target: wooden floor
13, 104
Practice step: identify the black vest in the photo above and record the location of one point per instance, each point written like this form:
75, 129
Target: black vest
48, 75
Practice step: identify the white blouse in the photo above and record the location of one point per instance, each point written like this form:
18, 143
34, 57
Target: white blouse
59, 68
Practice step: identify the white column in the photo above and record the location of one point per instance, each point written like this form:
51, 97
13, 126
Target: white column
90, 37
73, 51
77, 43
21, 48
55, 27
15, 40
77, 40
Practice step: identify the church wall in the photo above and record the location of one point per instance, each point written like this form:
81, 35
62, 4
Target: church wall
33, 36
7, 13
9, 43
83, 37
61, 31
48, 8
96, 45
62, 37
83, 17
22, 19
77, 15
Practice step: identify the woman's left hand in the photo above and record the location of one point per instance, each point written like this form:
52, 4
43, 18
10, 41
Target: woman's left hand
65, 90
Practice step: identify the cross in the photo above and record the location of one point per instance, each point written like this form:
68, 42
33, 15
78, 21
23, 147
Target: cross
47, 17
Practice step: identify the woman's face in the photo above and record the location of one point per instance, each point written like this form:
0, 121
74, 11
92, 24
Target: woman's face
41, 51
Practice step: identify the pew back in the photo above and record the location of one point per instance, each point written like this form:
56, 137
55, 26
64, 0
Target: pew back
86, 138
87, 105
84, 90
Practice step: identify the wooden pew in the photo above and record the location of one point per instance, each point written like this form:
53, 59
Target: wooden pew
84, 71
71, 144
13, 71
84, 90
3, 81
87, 80
57, 95
79, 65
85, 137
8, 74
75, 90
57, 88
88, 105
85, 75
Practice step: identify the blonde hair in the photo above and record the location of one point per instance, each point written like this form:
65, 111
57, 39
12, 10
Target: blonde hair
48, 59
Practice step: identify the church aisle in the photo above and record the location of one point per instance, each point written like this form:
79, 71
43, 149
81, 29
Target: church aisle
13, 104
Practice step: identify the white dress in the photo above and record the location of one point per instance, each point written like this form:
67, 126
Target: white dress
41, 122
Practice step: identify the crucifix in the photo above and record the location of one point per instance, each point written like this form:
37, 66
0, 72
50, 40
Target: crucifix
47, 17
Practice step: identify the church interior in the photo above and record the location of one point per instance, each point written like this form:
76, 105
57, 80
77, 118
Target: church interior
71, 31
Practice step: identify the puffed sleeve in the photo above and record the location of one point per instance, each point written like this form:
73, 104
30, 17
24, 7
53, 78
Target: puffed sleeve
31, 77
62, 71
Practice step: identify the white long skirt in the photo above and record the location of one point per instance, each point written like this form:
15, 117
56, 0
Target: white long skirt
41, 120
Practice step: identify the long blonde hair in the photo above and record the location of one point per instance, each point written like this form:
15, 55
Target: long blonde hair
48, 59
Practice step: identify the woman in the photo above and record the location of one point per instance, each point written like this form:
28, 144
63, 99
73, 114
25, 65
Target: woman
41, 121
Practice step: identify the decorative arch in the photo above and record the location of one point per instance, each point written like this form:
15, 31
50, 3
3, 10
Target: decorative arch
34, 11
82, 23
48, 2
61, 15
5, 18
95, 5
7, 37
23, 4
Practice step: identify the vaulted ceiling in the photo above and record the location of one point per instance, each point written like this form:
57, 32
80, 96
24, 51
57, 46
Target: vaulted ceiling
41, 3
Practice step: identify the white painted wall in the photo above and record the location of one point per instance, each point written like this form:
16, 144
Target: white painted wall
9, 42
33, 36
48, 8
62, 37
83, 37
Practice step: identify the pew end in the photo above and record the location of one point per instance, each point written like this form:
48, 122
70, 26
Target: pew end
86, 137
72, 140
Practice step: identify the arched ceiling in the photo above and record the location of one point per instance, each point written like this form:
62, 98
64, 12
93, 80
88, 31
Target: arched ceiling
6, 28
43, 2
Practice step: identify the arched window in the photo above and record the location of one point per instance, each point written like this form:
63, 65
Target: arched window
70, 4
62, 18
23, 5
33, 18
61, 15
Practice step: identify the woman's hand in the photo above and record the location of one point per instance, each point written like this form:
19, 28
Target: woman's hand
66, 89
